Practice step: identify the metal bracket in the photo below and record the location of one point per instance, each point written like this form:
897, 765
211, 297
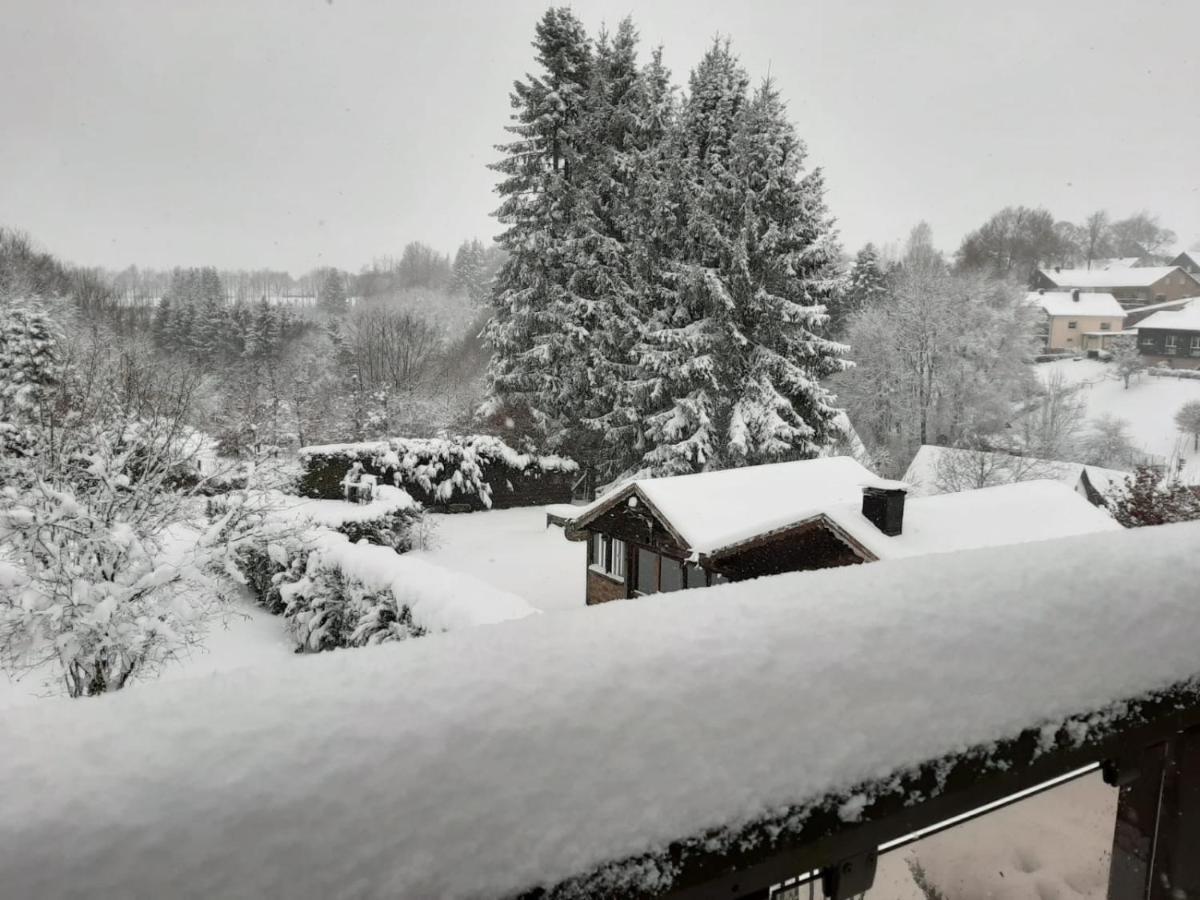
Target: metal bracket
851, 877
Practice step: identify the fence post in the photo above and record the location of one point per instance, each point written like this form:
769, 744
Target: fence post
1156, 841
1137, 822
1175, 874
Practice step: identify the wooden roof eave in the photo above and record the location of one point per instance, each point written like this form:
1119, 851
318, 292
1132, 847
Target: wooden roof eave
859, 549
578, 530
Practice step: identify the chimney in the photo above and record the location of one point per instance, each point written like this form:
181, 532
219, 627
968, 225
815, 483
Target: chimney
1075, 295
883, 506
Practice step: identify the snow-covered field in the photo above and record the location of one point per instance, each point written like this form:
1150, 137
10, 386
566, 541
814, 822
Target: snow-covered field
513, 550
1149, 406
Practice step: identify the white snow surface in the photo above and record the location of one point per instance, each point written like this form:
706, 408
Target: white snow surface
1186, 319
332, 513
440, 599
489, 760
514, 551
986, 517
1063, 303
1149, 406
1109, 278
922, 472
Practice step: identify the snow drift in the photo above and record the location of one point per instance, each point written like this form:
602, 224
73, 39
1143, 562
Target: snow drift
490, 760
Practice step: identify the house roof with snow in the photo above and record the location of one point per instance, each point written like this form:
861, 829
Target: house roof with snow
926, 474
1081, 303
1109, 278
1116, 262
717, 514
1186, 319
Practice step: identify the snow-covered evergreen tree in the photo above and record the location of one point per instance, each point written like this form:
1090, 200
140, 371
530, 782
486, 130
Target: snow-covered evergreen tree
866, 286
535, 352
332, 294
468, 273
733, 357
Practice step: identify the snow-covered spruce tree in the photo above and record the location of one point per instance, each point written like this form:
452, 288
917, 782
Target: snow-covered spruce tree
27, 374
867, 286
332, 293
733, 358
619, 139
535, 361
468, 273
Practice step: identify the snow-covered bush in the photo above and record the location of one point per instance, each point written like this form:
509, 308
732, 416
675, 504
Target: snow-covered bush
105, 578
1151, 496
479, 471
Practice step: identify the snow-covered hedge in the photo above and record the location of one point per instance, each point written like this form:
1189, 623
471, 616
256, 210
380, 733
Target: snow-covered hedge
478, 471
1175, 373
334, 571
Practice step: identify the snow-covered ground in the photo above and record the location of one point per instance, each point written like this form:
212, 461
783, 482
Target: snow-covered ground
513, 550
1149, 406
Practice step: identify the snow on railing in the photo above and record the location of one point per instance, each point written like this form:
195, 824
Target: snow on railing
595, 750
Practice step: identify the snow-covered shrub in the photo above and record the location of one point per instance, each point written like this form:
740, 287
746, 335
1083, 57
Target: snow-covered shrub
106, 577
479, 471
1164, 372
327, 609
1151, 496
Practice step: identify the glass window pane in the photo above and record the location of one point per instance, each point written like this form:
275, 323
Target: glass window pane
647, 571
618, 558
672, 575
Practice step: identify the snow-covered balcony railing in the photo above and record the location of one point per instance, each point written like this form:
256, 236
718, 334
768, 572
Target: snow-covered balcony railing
707, 744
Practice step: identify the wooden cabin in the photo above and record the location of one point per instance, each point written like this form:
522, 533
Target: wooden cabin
659, 535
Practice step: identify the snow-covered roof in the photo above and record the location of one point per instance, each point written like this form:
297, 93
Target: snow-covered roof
711, 510
491, 761
1090, 303
985, 517
1109, 278
923, 472
713, 513
1116, 262
1186, 319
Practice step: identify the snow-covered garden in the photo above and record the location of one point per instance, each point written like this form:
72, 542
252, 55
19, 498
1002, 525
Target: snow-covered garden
1148, 407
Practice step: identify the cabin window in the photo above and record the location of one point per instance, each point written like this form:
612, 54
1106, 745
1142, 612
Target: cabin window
616, 558
607, 555
671, 575
1072, 325
1196, 343
1105, 326
647, 571
695, 576
1172, 342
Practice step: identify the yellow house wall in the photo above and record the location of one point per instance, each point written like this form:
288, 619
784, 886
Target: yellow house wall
1063, 337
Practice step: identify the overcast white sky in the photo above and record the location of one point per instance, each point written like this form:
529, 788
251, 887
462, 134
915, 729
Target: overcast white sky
296, 133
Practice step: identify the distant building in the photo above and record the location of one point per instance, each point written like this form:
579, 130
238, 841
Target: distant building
1078, 320
1189, 261
1172, 337
656, 535
1132, 287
